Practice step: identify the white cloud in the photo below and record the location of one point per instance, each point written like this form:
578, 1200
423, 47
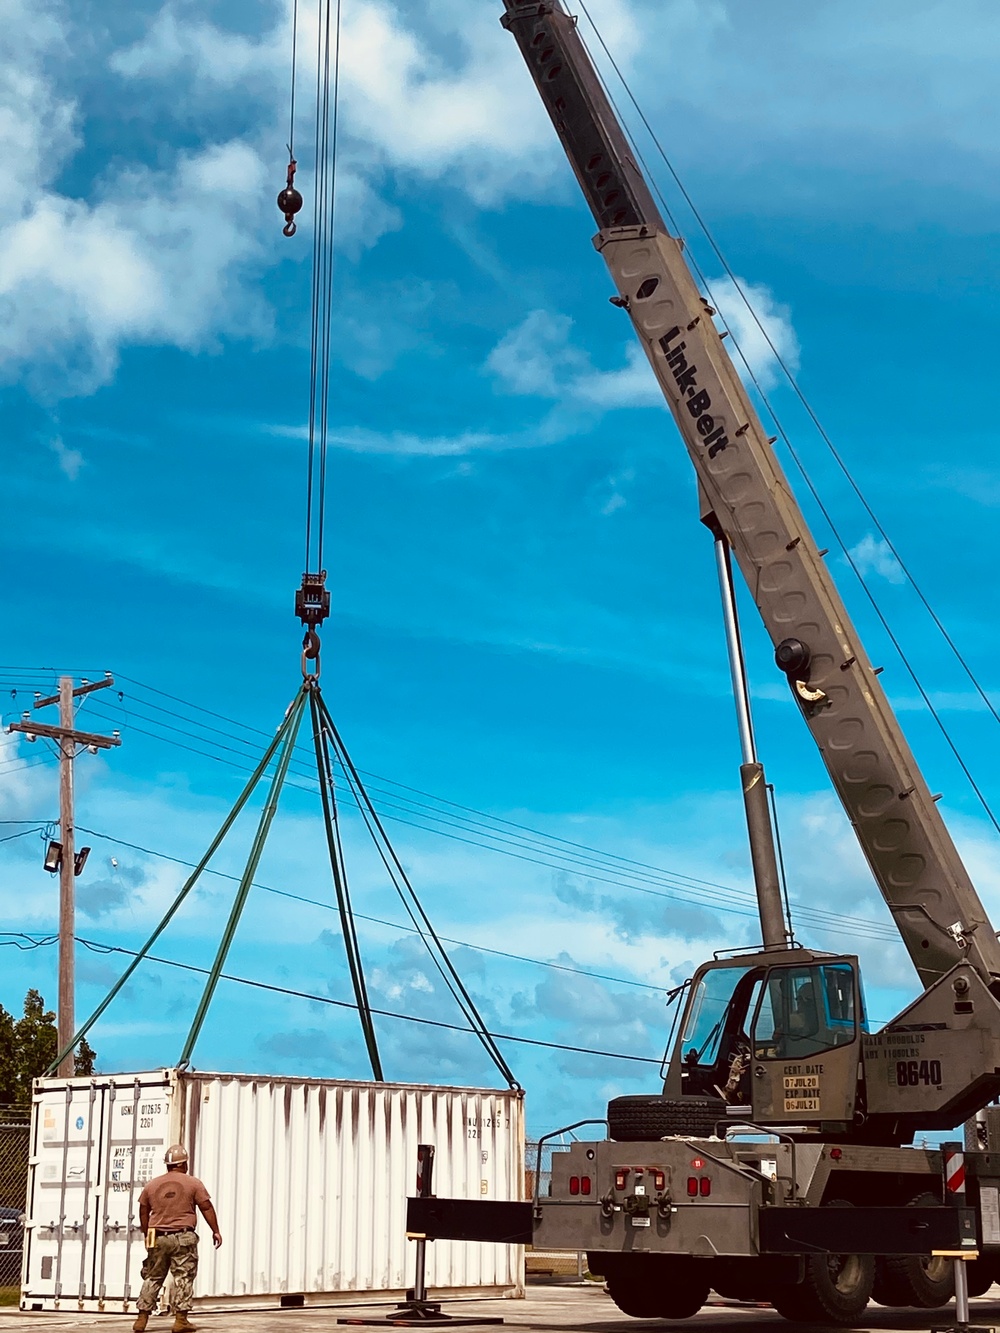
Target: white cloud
434, 102
633, 385
70, 460
362, 440
177, 41
450, 97
148, 256
872, 556
538, 358
24, 785
153, 260
760, 327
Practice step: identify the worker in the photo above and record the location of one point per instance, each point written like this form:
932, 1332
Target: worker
167, 1216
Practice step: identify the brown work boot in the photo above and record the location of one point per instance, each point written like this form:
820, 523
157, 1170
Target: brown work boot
182, 1324
141, 1320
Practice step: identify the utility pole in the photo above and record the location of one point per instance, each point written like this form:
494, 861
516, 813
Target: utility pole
66, 860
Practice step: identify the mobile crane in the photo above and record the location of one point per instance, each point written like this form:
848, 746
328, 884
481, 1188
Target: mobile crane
683, 1195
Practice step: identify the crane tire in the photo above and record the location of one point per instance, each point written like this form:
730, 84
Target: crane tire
659, 1287
636, 1119
981, 1273
835, 1289
684, 1290
914, 1279
633, 1296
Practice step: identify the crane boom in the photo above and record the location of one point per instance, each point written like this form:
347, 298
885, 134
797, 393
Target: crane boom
927, 888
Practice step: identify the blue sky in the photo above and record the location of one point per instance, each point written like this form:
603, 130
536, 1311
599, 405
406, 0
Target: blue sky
526, 619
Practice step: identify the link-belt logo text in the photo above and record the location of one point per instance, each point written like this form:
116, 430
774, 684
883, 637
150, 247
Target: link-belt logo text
698, 401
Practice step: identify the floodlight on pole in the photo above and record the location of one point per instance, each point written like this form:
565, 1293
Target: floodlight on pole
80, 860
53, 857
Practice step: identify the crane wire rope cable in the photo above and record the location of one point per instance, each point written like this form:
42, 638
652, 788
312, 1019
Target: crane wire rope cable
291, 93
328, 46
327, 104
772, 413
321, 296
793, 382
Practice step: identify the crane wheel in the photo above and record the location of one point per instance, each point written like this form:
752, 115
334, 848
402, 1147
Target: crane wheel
915, 1279
634, 1295
659, 1286
981, 1274
835, 1289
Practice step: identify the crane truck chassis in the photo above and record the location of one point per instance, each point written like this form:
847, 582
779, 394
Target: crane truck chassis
776, 1163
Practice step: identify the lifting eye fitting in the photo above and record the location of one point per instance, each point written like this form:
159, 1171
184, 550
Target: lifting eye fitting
289, 200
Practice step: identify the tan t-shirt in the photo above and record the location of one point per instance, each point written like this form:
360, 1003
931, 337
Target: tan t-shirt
172, 1199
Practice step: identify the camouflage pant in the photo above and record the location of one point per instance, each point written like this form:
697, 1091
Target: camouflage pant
178, 1256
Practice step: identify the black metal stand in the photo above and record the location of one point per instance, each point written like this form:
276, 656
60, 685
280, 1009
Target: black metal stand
961, 1324
417, 1311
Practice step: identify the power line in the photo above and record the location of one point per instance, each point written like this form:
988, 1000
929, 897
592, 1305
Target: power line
23, 833
721, 896
96, 946
526, 844
27, 942
379, 921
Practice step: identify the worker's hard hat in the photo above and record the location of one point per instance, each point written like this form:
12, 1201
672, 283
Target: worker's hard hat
176, 1154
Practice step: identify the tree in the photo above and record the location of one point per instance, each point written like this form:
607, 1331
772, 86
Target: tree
8, 1059
83, 1060
35, 1042
27, 1048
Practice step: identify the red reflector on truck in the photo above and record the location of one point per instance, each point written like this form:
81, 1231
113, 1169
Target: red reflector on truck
705, 1186
574, 1184
584, 1184
693, 1186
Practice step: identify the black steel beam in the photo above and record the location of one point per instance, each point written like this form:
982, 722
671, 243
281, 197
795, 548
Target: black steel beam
866, 1230
470, 1219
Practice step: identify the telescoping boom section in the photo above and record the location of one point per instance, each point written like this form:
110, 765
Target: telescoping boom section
936, 908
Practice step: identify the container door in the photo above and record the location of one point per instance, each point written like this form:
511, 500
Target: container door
65, 1139
136, 1135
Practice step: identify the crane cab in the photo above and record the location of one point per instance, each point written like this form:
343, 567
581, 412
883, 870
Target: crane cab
774, 1037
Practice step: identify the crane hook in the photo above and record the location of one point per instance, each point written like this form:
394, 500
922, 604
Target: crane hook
310, 653
289, 200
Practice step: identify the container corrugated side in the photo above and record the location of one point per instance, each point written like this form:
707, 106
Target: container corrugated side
310, 1178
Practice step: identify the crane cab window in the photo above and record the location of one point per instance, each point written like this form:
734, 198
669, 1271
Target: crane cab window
715, 1030
805, 1010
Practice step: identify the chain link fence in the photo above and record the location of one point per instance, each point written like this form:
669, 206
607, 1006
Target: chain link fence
13, 1191
547, 1265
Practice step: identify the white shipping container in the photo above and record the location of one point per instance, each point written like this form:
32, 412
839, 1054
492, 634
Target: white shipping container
310, 1179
